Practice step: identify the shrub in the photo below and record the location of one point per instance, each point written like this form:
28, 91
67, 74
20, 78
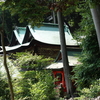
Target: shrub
4, 90
92, 92
30, 81
27, 61
89, 69
44, 88
35, 83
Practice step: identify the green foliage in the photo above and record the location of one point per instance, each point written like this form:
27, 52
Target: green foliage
89, 68
86, 25
4, 90
26, 60
9, 22
22, 85
35, 10
28, 11
44, 88
93, 2
33, 84
92, 92
24, 81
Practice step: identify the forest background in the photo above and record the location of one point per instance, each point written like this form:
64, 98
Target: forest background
78, 17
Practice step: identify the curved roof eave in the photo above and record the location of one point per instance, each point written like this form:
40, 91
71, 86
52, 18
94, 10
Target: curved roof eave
50, 35
58, 65
47, 33
15, 48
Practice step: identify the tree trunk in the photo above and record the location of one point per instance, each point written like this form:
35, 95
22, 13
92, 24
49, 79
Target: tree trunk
54, 14
54, 17
5, 65
64, 54
4, 57
96, 18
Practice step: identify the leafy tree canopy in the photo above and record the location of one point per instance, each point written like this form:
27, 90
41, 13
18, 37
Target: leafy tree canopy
88, 71
30, 11
34, 11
